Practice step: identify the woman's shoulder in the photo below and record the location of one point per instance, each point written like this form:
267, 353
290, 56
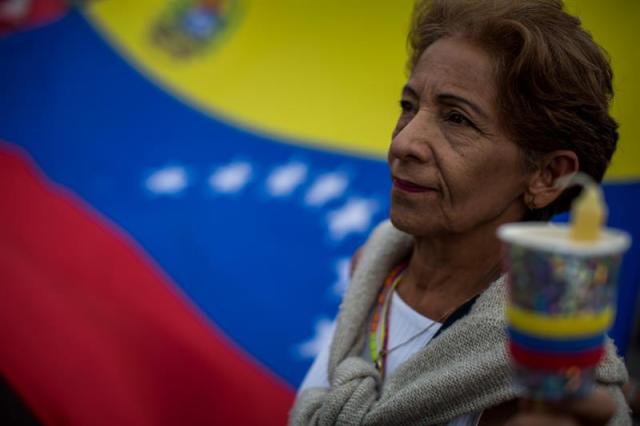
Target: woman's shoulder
492, 301
383, 250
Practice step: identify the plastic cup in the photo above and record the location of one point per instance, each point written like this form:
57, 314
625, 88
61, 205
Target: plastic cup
561, 303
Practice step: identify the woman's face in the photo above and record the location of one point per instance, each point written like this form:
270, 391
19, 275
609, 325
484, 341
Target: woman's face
454, 168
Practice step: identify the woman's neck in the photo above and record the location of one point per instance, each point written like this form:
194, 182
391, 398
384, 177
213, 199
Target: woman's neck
443, 273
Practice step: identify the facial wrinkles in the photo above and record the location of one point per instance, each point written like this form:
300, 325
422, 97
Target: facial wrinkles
449, 158
466, 159
429, 119
441, 154
468, 77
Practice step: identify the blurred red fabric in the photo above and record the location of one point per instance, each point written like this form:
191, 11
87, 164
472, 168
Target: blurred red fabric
23, 14
92, 331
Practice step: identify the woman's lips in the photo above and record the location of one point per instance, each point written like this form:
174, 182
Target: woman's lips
409, 186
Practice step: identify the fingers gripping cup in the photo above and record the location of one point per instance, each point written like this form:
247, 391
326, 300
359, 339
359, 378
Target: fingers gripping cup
562, 290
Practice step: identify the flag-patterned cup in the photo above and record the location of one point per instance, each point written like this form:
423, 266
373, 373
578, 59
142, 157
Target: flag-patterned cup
561, 303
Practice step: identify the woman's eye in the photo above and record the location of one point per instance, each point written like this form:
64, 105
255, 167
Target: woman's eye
406, 106
457, 118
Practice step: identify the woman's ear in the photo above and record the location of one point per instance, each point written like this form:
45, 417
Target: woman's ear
541, 189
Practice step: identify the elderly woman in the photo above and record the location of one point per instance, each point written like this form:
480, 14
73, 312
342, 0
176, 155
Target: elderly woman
504, 97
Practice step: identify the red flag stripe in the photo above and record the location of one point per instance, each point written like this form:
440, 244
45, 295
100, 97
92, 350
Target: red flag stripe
94, 333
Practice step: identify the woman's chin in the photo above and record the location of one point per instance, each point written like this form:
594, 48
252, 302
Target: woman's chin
416, 226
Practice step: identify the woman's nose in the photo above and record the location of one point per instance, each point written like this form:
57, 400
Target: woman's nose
413, 142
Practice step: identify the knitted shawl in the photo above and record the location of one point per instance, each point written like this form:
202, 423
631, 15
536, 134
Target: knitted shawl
463, 370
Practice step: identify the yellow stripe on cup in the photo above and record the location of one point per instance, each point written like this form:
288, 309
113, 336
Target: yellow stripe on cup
559, 326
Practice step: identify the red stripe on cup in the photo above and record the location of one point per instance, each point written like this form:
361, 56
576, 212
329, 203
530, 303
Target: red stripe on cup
550, 361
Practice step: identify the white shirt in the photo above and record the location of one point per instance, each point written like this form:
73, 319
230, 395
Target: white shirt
409, 331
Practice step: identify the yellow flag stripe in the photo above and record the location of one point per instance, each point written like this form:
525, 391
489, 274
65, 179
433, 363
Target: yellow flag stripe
582, 324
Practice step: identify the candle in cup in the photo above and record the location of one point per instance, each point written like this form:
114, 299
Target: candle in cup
588, 214
562, 281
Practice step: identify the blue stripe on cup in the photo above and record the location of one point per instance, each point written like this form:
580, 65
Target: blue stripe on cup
555, 345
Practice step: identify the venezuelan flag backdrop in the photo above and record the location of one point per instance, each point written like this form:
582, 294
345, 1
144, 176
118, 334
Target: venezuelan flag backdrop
235, 149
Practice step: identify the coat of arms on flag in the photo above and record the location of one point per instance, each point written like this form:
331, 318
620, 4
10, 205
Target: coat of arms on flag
187, 27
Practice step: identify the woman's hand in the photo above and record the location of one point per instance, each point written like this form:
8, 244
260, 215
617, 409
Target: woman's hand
595, 409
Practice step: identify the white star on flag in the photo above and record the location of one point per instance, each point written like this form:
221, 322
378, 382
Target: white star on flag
342, 268
312, 347
231, 178
285, 179
354, 216
167, 181
326, 188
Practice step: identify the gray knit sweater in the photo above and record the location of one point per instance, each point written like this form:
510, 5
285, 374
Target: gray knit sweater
465, 369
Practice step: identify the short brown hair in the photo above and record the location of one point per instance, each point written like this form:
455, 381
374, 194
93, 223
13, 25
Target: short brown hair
554, 81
